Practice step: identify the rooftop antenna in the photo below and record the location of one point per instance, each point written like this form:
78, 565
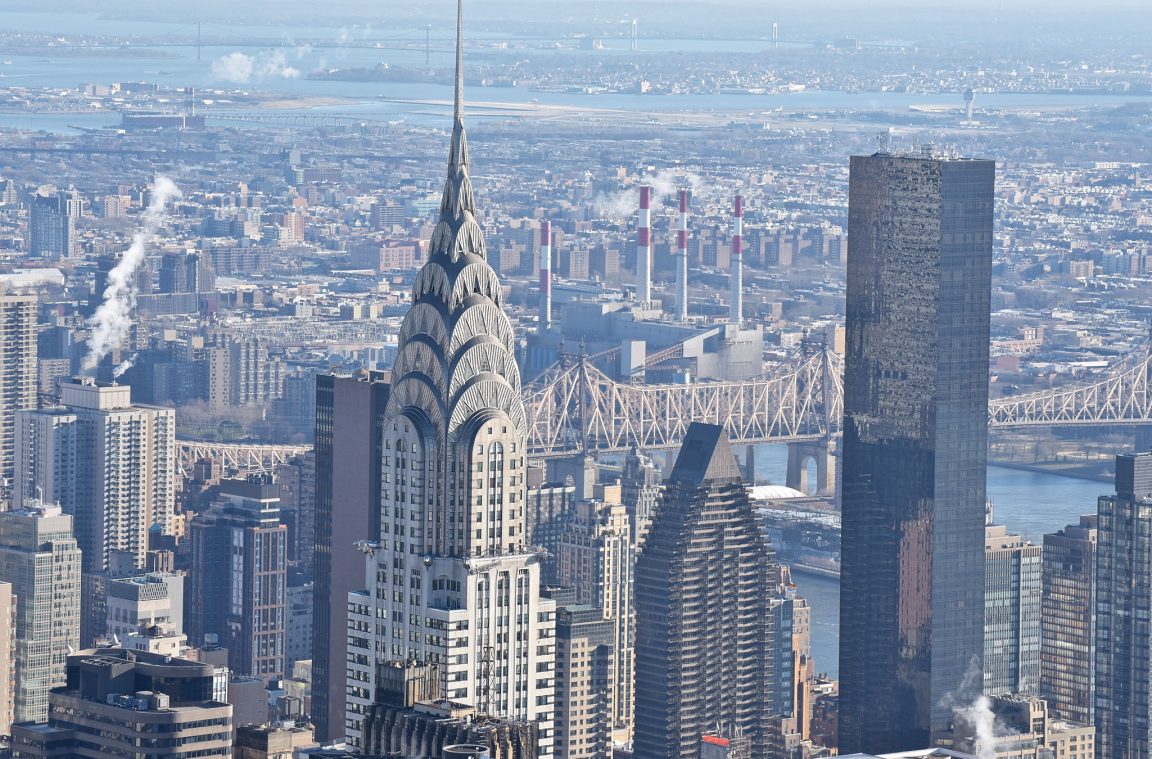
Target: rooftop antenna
197, 40
428, 45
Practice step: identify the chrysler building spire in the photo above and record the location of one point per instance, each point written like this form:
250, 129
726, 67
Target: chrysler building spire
458, 234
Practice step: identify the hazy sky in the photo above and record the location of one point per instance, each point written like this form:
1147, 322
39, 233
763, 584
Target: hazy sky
799, 19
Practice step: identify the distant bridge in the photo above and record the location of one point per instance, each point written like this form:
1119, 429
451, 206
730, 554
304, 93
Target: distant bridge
576, 408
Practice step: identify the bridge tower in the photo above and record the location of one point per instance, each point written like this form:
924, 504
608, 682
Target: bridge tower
824, 452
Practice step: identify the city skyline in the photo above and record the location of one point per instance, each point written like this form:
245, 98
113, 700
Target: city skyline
670, 421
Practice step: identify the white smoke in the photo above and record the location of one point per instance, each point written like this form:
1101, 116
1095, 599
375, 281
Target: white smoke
118, 372
113, 319
978, 715
241, 68
664, 183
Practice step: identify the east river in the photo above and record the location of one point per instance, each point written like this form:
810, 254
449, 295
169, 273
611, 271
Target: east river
1029, 503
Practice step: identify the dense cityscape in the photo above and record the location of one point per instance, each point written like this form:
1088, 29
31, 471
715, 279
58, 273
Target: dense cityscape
666, 381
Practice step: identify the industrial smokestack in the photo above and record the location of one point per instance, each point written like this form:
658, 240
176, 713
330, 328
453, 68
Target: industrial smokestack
737, 314
644, 248
682, 260
545, 275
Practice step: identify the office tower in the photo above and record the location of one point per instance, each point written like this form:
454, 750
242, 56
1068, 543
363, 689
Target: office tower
1012, 583
349, 449
107, 462
585, 652
640, 490
40, 558
18, 367
914, 456
148, 600
52, 224
452, 580
595, 557
239, 577
1068, 622
703, 632
1123, 596
119, 703
7, 657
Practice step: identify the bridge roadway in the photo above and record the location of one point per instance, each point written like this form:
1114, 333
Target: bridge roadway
574, 407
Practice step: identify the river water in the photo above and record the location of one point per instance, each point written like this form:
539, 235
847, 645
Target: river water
1028, 503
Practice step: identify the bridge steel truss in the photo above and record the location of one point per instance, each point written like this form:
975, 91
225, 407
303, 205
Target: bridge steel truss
249, 459
1121, 396
575, 407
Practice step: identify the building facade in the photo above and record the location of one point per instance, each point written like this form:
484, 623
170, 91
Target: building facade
1068, 622
594, 557
1012, 584
107, 462
585, 657
240, 577
703, 625
914, 455
52, 224
18, 369
40, 558
1123, 594
118, 703
453, 582
7, 657
349, 449
640, 492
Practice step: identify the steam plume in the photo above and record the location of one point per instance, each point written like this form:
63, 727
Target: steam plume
241, 68
979, 715
113, 319
621, 205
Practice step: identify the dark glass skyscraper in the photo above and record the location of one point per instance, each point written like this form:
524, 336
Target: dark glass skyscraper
703, 626
1123, 597
915, 434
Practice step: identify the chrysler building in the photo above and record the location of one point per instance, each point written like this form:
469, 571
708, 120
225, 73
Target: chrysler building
451, 580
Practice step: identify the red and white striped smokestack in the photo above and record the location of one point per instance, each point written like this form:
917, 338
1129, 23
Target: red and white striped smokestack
644, 248
545, 275
682, 260
737, 302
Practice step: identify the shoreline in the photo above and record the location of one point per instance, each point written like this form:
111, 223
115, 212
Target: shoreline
1077, 473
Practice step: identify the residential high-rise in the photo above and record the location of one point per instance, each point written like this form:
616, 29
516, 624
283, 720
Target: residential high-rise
40, 558
584, 678
914, 455
1068, 622
18, 369
1123, 596
240, 577
107, 462
118, 703
349, 449
1011, 613
595, 557
52, 224
452, 581
703, 626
